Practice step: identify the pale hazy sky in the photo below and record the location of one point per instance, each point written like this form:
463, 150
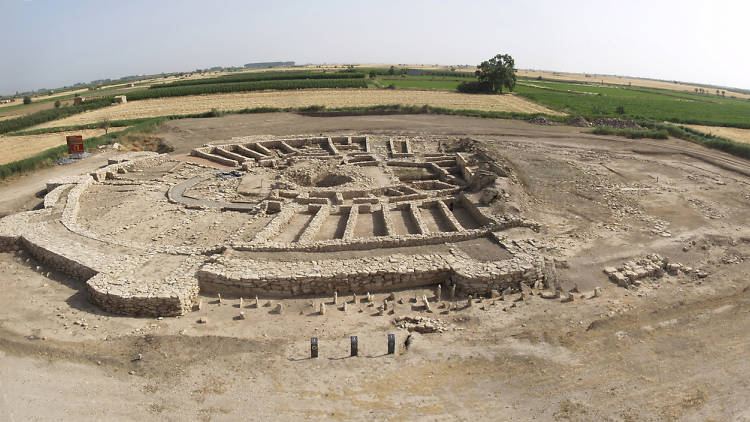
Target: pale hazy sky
47, 44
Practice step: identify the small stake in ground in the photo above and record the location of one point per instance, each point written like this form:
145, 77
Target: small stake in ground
354, 346
453, 292
335, 298
391, 344
314, 347
439, 294
469, 301
219, 295
322, 308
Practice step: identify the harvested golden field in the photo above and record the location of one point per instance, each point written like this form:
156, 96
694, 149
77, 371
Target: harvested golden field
16, 148
618, 80
303, 98
733, 133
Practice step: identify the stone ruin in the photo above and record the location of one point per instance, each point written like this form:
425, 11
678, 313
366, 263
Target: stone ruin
276, 218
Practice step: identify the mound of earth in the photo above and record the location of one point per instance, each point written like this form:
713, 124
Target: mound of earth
579, 122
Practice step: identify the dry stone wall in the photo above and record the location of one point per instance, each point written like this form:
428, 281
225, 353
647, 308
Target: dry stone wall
368, 274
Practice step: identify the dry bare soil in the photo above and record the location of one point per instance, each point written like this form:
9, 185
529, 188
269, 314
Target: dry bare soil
673, 349
302, 98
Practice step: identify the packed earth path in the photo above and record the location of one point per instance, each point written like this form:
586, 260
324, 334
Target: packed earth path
636, 310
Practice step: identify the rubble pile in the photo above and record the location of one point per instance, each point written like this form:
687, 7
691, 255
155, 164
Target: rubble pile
579, 121
632, 273
540, 120
420, 324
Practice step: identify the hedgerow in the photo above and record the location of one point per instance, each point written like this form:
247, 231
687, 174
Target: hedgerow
474, 87
455, 74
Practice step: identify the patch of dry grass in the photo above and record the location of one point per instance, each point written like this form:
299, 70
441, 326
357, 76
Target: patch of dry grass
16, 148
303, 98
735, 134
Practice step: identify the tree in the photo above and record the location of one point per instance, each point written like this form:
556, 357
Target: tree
498, 72
392, 70
26, 99
105, 124
57, 104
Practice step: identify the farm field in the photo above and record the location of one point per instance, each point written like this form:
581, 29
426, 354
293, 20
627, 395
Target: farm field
285, 99
617, 80
20, 109
442, 84
262, 85
19, 147
66, 98
735, 134
636, 103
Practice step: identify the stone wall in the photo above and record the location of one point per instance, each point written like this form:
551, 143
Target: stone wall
351, 222
275, 225
374, 274
313, 226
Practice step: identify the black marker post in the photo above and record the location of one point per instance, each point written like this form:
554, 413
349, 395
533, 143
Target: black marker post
313, 347
354, 348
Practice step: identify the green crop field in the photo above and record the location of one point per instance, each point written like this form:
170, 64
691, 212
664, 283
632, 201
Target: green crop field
638, 103
246, 86
260, 76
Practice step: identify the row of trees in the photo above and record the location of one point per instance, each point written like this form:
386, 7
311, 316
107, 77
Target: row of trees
718, 92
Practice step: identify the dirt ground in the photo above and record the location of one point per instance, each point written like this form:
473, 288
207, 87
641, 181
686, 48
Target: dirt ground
673, 349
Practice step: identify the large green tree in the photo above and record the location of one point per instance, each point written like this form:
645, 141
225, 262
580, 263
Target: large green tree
498, 72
